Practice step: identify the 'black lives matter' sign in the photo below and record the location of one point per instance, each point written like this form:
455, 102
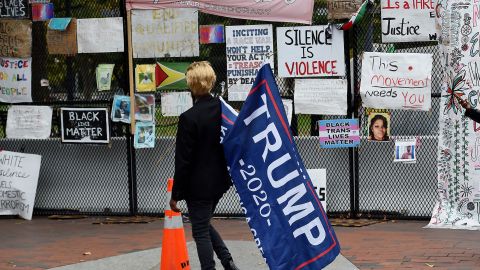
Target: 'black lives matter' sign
85, 125
14, 9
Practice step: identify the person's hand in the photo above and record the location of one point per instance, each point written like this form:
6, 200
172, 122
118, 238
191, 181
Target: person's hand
173, 206
462, 102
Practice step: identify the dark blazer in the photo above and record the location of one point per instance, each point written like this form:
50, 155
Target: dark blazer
473, 114
200, 167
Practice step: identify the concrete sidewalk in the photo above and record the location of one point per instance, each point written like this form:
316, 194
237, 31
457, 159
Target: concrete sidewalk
246, 256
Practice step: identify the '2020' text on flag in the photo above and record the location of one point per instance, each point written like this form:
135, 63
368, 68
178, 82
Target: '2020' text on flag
283, 211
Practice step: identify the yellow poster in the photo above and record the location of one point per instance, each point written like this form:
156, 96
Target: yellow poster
145, 78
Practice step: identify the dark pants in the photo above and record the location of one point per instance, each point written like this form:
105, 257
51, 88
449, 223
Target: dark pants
206, 237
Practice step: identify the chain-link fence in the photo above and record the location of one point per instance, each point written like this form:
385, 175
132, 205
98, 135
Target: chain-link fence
118, 179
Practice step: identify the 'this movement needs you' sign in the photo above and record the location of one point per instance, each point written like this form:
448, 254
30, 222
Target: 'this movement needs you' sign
85, 125
18, 183
310, 51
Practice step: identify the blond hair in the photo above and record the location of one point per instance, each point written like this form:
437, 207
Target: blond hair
200, 78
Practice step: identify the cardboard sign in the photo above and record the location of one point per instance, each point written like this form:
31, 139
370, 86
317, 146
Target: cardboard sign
63, 42
15, 80
100, 35
342, 9
18, 184
321, 96
339, 133
165, 33
397, 81
85, 125
248, 48
408, 21
29, 122
310, 51
15, 38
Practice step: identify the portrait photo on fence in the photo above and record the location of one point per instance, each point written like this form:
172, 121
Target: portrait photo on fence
379, 126
405, 150
121, 109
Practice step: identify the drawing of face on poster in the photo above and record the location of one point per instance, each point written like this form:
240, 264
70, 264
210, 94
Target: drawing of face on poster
121, 109
379, 126
144, 135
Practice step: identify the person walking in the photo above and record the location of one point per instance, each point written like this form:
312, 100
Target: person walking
201, 176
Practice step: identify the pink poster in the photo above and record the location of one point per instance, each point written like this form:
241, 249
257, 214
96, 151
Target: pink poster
298, 11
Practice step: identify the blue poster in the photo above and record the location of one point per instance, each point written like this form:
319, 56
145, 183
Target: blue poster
287, 220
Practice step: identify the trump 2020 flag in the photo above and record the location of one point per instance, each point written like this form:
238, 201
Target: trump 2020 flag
283, 211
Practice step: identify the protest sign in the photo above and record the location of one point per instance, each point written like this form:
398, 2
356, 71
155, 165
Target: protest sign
339, 133
319, 181
15, 80
276, 11
211, 34
62, 41
283, 211
29, 122
15, 38
310, 51
145, 78
408, 21
85, 125
100, 35
171, 75
248, 48
175, 103
321, 96
405, 150
18, 184
342, 9
104, 73
170, 32
396, 81
379, 124
144, 108
121, 109
14, 9
144, 135
288, 106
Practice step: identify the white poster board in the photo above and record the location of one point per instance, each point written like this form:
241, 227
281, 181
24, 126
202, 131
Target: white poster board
408, 21
100, 35
396, 81
169, 32
319, 181
288, 106
248, 47
175, 103
15, 80
320, 96
310, 51
18, 183
29, 122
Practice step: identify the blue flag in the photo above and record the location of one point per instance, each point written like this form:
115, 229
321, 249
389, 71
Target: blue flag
283, 211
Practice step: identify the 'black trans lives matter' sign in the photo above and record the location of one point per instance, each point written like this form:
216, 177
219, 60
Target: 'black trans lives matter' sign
85, 125
14, 9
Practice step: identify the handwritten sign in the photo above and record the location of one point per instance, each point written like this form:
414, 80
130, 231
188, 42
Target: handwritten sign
15, 80
15, 38
310, 51
63, 42
342, 9
14, 9
100, 35
339, 133
29, 122
299, 11
248, 48
18, 183
319, 181
408, 20
165, 33
85, 125
175, 103
321, 96
397, 81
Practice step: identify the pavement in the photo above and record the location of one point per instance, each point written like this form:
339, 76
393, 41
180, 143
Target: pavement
78, 244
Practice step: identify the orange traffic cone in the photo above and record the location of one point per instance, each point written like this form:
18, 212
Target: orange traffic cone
174, 246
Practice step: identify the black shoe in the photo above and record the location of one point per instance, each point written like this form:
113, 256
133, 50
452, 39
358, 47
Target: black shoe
230, 265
